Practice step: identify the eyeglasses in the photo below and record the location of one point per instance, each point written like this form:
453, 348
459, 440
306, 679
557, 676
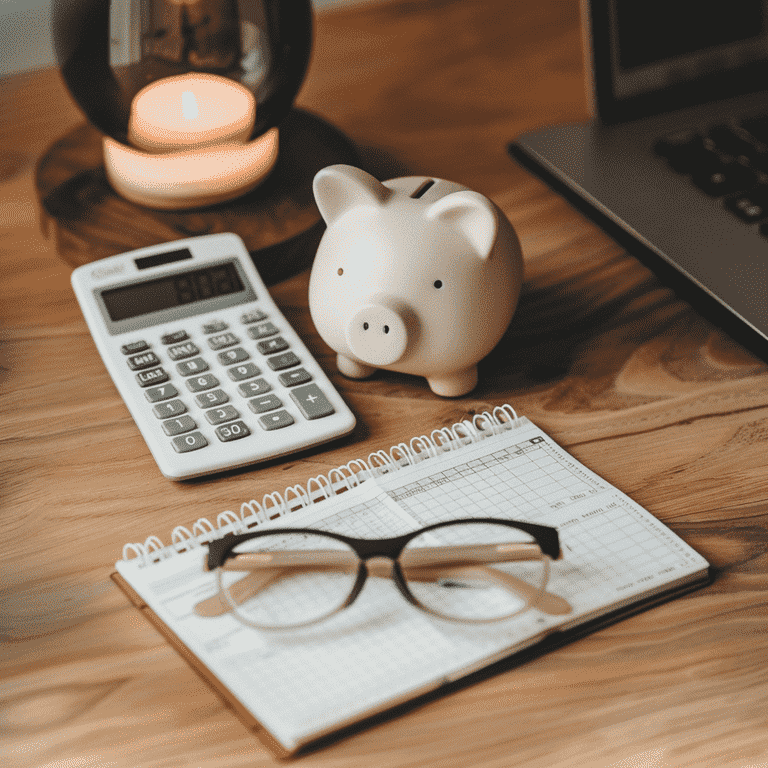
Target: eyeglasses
476, 570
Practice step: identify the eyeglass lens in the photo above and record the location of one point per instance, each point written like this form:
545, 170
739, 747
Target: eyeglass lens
288, 580
474, 571
471, 571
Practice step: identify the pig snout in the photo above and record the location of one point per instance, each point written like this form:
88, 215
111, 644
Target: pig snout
377, 333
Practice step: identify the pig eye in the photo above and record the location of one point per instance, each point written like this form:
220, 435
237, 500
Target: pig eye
340, 271
438, 283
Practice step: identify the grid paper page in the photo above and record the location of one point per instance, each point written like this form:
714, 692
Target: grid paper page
302, 683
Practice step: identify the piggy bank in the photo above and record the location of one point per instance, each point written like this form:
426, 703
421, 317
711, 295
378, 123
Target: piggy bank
415, 274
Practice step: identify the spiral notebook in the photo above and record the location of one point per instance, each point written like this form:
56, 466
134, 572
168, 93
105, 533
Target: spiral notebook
297, 687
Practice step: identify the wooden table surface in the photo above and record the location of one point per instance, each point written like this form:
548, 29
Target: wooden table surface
623, 374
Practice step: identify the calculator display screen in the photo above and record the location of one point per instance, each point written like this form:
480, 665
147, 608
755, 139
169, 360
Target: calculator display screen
176, 290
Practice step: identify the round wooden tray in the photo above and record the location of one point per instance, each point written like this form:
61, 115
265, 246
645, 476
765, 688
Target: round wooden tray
278, 221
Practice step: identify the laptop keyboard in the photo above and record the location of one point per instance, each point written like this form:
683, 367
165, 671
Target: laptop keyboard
728, 161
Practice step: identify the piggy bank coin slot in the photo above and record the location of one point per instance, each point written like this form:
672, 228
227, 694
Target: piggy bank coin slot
419, 191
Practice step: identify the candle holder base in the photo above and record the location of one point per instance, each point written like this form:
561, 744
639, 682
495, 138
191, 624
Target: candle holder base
179, 181
278, 221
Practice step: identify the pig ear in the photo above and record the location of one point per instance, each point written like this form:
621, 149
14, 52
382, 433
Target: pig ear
339, 188
472, 215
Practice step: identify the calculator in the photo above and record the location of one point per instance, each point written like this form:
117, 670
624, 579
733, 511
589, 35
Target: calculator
213, 374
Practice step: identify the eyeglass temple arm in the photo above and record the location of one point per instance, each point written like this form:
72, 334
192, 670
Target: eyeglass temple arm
546, 602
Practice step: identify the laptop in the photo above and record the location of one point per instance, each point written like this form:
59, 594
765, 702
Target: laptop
674, 164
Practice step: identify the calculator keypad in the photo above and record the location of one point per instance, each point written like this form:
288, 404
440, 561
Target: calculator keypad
230, 359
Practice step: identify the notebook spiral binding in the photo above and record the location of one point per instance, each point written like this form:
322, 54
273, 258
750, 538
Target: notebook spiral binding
338, 480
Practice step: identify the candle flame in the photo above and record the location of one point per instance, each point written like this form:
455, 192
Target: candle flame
189, 105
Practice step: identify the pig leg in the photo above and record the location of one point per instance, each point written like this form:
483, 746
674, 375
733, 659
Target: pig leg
352, 368
454, 384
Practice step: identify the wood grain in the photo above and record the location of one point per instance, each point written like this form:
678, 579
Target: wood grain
600, 354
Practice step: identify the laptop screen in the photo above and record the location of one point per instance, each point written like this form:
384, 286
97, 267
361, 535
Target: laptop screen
655, 56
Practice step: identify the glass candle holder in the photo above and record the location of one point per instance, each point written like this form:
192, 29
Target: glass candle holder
189, 93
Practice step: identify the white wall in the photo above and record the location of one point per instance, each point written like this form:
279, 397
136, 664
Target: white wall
25, 37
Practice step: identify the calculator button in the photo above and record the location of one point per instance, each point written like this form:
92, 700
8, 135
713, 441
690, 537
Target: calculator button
312, 403
233, 431
179, 426
175, 337
276, 420
134, 347
209, 399
278, 344
215, 326
223, 340
155, 376
140, 362
253, 316
163, 392
262, 330
242, 372
183, 351
168, 409
220, 415
292, 378
253, 388
281, 362
201, 383
190, 442
190, 367
232, 356
265, 403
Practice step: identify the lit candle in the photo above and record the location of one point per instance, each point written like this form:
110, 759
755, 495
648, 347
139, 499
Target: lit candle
191, 111
191, 145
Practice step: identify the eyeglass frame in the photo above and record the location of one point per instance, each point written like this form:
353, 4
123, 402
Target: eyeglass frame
219, 550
